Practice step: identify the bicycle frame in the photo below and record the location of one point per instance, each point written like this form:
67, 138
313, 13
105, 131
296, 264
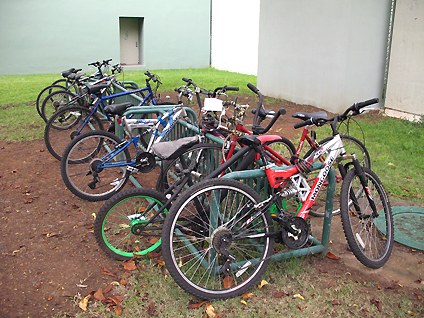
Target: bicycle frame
168, 125
280, 177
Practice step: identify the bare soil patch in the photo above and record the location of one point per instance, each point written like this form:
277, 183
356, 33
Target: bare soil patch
48, 251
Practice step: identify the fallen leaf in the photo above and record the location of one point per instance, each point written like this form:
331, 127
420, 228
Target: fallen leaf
378, 286
391, 164
247, 295
107, 272
332, 256
262, 284
123, 282
300, 308
152, 311
129, 266
411, 313
280, 294
243, 302
160, 263
395, 286
377, 303
153, 255
98, 295
108, 289
84, 303
298, 296
50, 297
210, 311
403, 188
418, 281
228, 282
196, 305
118, 310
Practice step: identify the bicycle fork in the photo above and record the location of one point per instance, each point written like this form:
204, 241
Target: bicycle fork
364, 182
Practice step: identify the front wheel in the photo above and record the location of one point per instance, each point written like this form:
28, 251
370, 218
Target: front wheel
120, 227
211, 246
201, 160
81, 170
369, 234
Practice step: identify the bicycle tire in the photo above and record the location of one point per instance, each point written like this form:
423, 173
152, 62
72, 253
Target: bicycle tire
283, 147
351, 145
370, 246
78, 162
44, 93
209, 157
192, 235
56, 100
63, 126
119, 229
60, 82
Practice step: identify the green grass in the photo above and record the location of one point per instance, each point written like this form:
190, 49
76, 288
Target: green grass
325, 294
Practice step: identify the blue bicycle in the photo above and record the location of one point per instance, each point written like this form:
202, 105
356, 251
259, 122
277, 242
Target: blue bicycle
97, 164
72, 120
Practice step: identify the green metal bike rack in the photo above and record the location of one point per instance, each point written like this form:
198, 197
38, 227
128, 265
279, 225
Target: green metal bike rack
317, 246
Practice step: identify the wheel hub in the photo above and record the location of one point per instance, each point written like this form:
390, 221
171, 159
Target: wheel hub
221, 239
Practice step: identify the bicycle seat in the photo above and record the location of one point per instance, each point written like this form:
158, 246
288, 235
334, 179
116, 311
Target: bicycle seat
249, 140
168, 150
96, 88
67, 72
75, 77
117, 109
306, 116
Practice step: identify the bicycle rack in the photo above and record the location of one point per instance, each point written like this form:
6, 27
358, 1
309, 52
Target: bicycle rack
317, 246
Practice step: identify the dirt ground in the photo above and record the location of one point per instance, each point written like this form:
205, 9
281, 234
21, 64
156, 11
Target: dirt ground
48, 250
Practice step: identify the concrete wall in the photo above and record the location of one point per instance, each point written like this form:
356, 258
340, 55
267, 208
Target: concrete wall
235, 35
325, 53
48, 36
405, 87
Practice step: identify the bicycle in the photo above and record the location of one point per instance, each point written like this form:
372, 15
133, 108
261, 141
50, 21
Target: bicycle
70, 121
277, 147
73, 83
129, 224
97, 164
218, 236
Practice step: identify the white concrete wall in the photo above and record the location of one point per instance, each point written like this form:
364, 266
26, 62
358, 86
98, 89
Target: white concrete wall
405, 87
235, 35
325, 53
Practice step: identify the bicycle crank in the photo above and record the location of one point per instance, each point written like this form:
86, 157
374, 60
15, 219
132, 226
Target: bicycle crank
145, 162
295, 233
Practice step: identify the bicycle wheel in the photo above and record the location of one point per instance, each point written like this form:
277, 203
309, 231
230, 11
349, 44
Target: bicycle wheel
351, 145
211, 246
44, 93
56, 100
79, 166
65, 125
201, 160
275, 150
370, 244
120, 228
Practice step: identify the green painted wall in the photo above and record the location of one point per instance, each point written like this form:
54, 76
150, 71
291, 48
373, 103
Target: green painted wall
48, 36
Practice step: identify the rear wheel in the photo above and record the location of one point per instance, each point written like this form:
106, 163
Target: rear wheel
369, 234
120, 228
44, 93
279, 151
65, 125
56, 100
209, 247
80, 166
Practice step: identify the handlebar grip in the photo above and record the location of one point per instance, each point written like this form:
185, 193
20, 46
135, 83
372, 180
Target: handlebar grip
303, 123
232, 88
186, 79
253, 88
106, 62
366, 103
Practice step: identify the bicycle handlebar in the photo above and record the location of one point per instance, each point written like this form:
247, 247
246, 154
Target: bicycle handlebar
257, 128
318, 121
